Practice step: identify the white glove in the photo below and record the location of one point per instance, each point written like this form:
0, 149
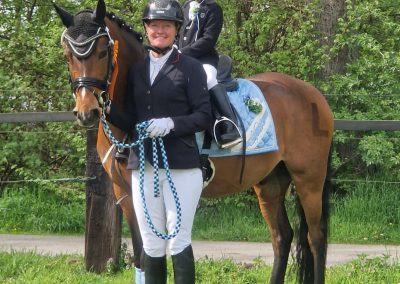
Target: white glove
159, 127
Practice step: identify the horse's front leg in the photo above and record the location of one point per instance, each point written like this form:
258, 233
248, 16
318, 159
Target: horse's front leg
125, 202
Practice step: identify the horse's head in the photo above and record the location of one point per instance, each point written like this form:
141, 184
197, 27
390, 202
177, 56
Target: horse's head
88, 50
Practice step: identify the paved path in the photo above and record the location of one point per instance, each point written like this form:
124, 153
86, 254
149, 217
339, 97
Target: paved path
244, 252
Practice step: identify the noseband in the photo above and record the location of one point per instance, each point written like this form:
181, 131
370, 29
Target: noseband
79, 51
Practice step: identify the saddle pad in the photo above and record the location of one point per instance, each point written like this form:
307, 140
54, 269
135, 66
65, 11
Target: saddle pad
260, 129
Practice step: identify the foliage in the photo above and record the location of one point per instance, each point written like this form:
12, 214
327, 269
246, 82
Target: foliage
31, 67
259, 35
283, 36
272, 36
369, 89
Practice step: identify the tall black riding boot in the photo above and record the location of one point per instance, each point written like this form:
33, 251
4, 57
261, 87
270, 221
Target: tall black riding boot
229, 134
155, 269
183, 263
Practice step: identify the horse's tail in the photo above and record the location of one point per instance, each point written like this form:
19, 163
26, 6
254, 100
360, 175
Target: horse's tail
304, 256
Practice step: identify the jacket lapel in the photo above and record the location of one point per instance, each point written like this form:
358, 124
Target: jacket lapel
145, 71
168, 66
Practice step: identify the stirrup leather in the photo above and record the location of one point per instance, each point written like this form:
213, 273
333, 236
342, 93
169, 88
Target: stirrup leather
230, 144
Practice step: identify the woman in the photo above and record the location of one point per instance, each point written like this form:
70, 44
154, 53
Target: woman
198, 37
170, 90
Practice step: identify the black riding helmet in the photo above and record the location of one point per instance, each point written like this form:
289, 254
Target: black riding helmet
169, 10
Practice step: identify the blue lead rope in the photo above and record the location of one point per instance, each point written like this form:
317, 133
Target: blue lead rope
141, 129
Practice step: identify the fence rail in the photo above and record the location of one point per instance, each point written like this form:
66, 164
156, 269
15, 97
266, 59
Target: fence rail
340, 124
24, 117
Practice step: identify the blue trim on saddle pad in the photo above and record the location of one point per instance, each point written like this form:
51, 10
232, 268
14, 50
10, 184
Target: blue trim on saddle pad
260, 129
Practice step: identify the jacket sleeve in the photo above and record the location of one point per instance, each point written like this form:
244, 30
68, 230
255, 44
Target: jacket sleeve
200, 117
125, 118
212, 28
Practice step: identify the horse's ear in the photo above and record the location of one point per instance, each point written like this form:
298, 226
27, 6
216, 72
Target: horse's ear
100, 12
66, 17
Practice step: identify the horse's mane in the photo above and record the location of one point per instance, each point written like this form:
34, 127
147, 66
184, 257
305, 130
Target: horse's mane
125, 26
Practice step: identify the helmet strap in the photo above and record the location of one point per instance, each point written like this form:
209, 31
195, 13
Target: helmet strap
158, 50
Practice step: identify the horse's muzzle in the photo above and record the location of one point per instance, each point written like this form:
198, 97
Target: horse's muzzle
87, 119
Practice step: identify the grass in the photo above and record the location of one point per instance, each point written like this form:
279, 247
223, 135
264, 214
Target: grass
28, 267
368, 213
228, 219
42, 210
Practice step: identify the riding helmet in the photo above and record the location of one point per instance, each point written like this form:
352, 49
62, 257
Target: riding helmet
169, 10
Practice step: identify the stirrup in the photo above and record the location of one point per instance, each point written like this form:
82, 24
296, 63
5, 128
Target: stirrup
229, 144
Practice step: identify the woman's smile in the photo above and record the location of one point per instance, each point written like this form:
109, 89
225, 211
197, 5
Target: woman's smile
161, 33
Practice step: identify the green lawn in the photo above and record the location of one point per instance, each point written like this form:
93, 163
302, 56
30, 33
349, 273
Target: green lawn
369, 213
34, 269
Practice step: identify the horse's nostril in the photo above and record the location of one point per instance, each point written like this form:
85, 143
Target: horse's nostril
75, 113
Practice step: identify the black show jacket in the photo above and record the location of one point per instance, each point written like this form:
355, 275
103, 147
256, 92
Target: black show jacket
198, 39
179, 91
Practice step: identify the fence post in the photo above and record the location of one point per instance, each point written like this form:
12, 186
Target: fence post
103, 216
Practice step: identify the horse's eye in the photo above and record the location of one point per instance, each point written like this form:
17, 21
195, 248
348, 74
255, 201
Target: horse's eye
102, 54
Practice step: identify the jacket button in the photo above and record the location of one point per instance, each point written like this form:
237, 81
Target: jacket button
148, 92
148, 107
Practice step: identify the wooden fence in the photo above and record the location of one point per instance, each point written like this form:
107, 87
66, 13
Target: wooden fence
340, 124
103, 217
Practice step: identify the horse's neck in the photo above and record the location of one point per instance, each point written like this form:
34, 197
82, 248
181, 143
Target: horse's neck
130, 51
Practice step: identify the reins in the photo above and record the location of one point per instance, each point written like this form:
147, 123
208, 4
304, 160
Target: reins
140, 128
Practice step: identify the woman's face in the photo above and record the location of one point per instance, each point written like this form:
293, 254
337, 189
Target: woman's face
161, 33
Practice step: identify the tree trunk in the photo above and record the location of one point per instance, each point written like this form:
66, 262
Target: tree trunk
330, 12
103, 216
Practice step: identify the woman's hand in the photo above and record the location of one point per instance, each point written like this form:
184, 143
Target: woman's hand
159, 127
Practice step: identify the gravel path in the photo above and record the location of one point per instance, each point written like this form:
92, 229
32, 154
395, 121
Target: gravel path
244, 252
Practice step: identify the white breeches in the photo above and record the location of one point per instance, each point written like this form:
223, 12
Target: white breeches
162, 210
211, 72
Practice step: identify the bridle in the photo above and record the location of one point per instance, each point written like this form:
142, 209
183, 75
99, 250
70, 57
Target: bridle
106, 85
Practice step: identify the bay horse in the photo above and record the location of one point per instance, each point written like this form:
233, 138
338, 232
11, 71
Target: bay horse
304, 129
